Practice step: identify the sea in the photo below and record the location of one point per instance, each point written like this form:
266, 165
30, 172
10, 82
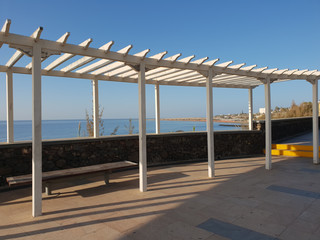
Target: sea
57, 129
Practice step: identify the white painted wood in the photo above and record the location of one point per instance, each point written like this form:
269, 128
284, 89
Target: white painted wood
18, 40
250, 112
103, 62
224, 65
14, 59
9, 83
95, 101
210, 135
67, 56
315, 122
117, 65
36, 133
157, 107
268, 123
63, 39
142, 129
5, 29
84, 60
36, 35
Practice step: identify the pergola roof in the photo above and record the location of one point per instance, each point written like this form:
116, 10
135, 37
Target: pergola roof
121, 66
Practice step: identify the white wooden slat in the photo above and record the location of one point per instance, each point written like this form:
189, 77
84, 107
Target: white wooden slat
62, 40
18, 55
269, 71
66, 56
174, 57
259, 70
192, 79
36, 35
119, 71
237, 66
159, 56
300, 72
174, 72
14, 59
248, 68
180, 76
159, 70
280, 71
200, 61
290, 72
103, 62
6, 27
117, 65
211, 62
84, 60
224, 65
310, 72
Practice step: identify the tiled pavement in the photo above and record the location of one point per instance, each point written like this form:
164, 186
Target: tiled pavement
243, 201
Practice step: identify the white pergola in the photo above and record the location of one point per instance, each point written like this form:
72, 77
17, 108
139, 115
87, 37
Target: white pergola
102, 64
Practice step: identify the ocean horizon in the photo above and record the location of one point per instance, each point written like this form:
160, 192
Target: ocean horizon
69, 128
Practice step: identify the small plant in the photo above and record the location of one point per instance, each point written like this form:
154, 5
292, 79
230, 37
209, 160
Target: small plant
90, 127
79, 129
194, 128
115, 130
130, 127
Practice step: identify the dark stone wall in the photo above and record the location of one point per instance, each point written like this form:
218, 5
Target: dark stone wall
286, 128
15, 159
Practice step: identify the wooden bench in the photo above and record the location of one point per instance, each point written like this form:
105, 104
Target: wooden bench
48, 178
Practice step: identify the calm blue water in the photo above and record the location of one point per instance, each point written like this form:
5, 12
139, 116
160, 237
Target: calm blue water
54, 129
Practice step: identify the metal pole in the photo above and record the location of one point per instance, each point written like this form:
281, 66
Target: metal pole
210, 135
9, 81
268, 123
95, 101
157, 110
142, 129
315, 122
250, 122
36, 133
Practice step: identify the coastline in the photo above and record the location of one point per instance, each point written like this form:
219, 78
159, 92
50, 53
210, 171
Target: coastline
202, 120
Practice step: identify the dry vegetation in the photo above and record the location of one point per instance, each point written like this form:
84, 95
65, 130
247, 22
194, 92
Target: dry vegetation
302, 110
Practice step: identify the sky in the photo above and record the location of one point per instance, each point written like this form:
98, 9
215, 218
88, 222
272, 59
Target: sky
273, 33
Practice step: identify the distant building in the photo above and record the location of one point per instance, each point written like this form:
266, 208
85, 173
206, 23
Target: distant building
262, 110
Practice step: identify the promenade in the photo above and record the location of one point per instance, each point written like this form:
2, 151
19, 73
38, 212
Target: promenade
304, 139
243, 201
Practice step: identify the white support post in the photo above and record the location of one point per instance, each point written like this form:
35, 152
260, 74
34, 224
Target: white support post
268, 123
315, 121
210, 135
142, 129
9, 79
36, 133
95, 102
157, 105
250, 121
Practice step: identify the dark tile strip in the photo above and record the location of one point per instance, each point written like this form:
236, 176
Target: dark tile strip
232, 231
294, 191
310, 170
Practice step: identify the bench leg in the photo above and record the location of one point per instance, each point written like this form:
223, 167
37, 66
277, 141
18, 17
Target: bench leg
106, 177
48, 189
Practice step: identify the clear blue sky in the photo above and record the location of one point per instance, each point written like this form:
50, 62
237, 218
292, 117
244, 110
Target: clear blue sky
283, 34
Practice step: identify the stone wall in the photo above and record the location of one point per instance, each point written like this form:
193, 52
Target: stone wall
15, 159
286, 128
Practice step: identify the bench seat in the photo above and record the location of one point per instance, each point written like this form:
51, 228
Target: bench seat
53, 176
